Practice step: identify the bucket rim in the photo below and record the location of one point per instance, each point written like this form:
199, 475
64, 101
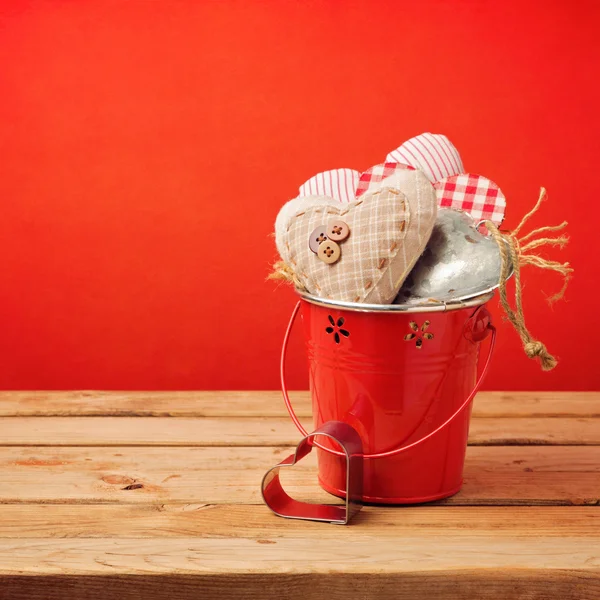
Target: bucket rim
397, 308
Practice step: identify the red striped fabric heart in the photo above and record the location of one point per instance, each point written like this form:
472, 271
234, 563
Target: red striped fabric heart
337, 183
434, 154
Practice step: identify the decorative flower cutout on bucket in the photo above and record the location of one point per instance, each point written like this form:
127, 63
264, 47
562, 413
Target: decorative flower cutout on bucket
419, 335
336, 328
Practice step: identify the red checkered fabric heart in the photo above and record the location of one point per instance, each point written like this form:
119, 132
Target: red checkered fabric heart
377, 174
474, 194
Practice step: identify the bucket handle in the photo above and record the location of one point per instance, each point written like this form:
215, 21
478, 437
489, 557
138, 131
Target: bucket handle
396, 451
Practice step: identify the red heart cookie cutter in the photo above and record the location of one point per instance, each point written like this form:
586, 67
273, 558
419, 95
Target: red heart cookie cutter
284, 505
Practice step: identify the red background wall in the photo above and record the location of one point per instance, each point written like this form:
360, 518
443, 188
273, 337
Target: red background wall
146, 147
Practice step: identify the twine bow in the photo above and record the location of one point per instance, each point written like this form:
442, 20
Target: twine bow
515, 248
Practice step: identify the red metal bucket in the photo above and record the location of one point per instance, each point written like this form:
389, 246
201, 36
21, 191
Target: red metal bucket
403, 378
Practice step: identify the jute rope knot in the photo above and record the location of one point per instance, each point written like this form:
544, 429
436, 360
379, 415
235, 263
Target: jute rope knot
515, 250
537, 348
283, 272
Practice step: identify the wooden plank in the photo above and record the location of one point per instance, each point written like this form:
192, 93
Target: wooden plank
265, 404
524, 431
257, 522
349, 551
259, 431
539, 475
294, 584
146, 431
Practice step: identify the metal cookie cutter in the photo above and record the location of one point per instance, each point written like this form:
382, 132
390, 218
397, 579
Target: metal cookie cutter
283, 505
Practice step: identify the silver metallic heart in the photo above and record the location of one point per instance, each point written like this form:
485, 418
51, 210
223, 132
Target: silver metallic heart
458, 263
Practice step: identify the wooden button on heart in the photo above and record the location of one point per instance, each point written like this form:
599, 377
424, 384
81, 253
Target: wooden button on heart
337, 230
317, 237
329, 252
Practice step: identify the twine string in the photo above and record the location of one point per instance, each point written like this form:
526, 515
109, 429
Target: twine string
284, 272
513, 248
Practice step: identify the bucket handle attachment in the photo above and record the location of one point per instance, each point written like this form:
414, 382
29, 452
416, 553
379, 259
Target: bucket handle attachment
479, 334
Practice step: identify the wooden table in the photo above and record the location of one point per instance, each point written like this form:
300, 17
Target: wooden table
156, 495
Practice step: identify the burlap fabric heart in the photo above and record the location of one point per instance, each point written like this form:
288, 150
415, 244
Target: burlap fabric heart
389, 228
